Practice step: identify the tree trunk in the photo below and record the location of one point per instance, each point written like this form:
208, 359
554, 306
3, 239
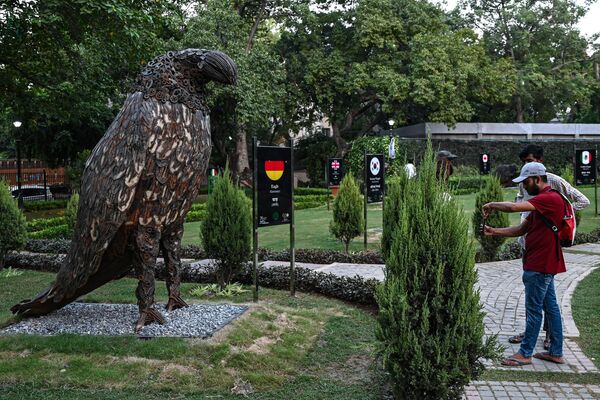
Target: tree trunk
519, 108
342, 145
597, 75
242, 162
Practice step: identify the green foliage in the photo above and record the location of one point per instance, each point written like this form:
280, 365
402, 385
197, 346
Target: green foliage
43, 223
491, 192
13, 228
53, 232
348, 219
214, 290
430, 319
71, 213
75, 170
226, 231
309, 191
45, 205
395, 193
314, 151
10, 272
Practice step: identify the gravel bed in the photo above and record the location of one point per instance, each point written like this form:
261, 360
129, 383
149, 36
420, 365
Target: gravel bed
197, 320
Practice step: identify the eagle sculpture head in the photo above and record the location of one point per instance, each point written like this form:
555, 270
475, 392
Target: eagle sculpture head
180, 76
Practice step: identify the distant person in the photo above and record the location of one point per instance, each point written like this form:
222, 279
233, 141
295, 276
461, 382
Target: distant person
444, 167
534, 153
411, 170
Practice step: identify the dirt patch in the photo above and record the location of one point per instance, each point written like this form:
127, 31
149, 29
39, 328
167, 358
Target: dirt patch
356, 369
262, 345
172, 372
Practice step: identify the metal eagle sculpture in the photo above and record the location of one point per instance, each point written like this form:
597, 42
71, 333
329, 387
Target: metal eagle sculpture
139, 183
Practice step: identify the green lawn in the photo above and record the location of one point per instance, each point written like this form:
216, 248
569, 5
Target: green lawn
308, 345
312, 226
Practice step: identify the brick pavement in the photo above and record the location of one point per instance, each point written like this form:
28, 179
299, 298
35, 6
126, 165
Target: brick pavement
482, 390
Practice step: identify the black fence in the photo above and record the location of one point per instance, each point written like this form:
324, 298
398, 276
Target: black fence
37, 185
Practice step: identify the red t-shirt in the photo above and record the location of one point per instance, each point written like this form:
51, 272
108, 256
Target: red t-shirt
540, 242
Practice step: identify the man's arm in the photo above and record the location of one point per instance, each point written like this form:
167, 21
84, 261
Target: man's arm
578, 199
511, 231
506, 206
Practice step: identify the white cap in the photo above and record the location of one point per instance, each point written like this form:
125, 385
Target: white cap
530, 169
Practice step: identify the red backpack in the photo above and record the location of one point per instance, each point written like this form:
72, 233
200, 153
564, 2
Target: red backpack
565, 233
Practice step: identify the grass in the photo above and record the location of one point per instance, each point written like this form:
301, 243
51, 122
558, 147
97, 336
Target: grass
310, 345
312, 226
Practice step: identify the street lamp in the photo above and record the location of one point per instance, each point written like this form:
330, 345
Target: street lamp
17, 125
391, 122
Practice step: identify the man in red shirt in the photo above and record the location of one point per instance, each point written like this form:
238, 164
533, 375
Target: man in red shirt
542, 260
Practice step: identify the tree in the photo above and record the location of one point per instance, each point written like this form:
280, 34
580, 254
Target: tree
226, 230
348, 220
242, 30
13, 228
359, 66
491, 192
553, 74
66, 66
430, 327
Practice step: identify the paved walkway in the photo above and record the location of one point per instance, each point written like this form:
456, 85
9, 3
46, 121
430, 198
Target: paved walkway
502, 297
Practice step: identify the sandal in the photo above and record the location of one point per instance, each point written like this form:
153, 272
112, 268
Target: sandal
546, 356
518, 338
512, 361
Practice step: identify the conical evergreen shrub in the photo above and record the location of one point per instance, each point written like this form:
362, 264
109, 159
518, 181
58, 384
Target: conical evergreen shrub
348, 219
430, 322
227, 229
490, 245
71, 212
13, 227
394, 194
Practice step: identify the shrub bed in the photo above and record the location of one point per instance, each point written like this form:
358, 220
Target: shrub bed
44, 223
44, 205
52, 232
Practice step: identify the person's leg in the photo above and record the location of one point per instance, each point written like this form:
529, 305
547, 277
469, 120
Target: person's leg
554, 321
536, 285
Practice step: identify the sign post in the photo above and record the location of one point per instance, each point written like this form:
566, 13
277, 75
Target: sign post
274, 193
586, 170
485, 164
334, 175
254, 224
374, 183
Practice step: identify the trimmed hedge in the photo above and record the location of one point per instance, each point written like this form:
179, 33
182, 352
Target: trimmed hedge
53, 232
43, 223
44, 205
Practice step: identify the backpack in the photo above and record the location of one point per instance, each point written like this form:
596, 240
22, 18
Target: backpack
565, 233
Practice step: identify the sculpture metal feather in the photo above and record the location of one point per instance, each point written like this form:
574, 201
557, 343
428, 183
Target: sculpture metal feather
139, 183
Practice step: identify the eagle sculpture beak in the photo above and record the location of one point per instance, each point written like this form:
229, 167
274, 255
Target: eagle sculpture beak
218, 66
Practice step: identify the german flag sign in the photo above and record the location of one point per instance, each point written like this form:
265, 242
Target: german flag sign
274, 185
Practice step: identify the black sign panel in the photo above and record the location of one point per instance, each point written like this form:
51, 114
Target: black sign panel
274, 185
374, 166
335, 171
485, 164
585, 166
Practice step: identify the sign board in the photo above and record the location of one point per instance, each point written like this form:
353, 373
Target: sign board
485, 164
335, 171
274, 185
374, 177
585, 166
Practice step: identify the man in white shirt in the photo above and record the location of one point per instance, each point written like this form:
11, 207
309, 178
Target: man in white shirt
410, 169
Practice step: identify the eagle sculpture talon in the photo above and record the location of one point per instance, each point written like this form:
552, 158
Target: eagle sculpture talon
176, 302
148, 316
140, 182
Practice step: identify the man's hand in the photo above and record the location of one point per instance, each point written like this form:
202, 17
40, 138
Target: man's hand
488, 230
486, 210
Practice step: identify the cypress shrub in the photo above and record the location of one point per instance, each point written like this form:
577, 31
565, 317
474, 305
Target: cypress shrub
227, 229
13, 227
348, 219
490, 245
71, 212
394, 190
430, 322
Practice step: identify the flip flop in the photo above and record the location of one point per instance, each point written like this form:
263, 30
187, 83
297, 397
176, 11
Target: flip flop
516, 338
546, 356
514, 362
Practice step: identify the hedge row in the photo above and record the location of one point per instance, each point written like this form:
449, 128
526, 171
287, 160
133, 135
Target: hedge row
44, 205
354, 289
43, 223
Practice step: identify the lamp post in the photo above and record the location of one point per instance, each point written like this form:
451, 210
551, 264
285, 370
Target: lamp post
391, 122
17, 125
